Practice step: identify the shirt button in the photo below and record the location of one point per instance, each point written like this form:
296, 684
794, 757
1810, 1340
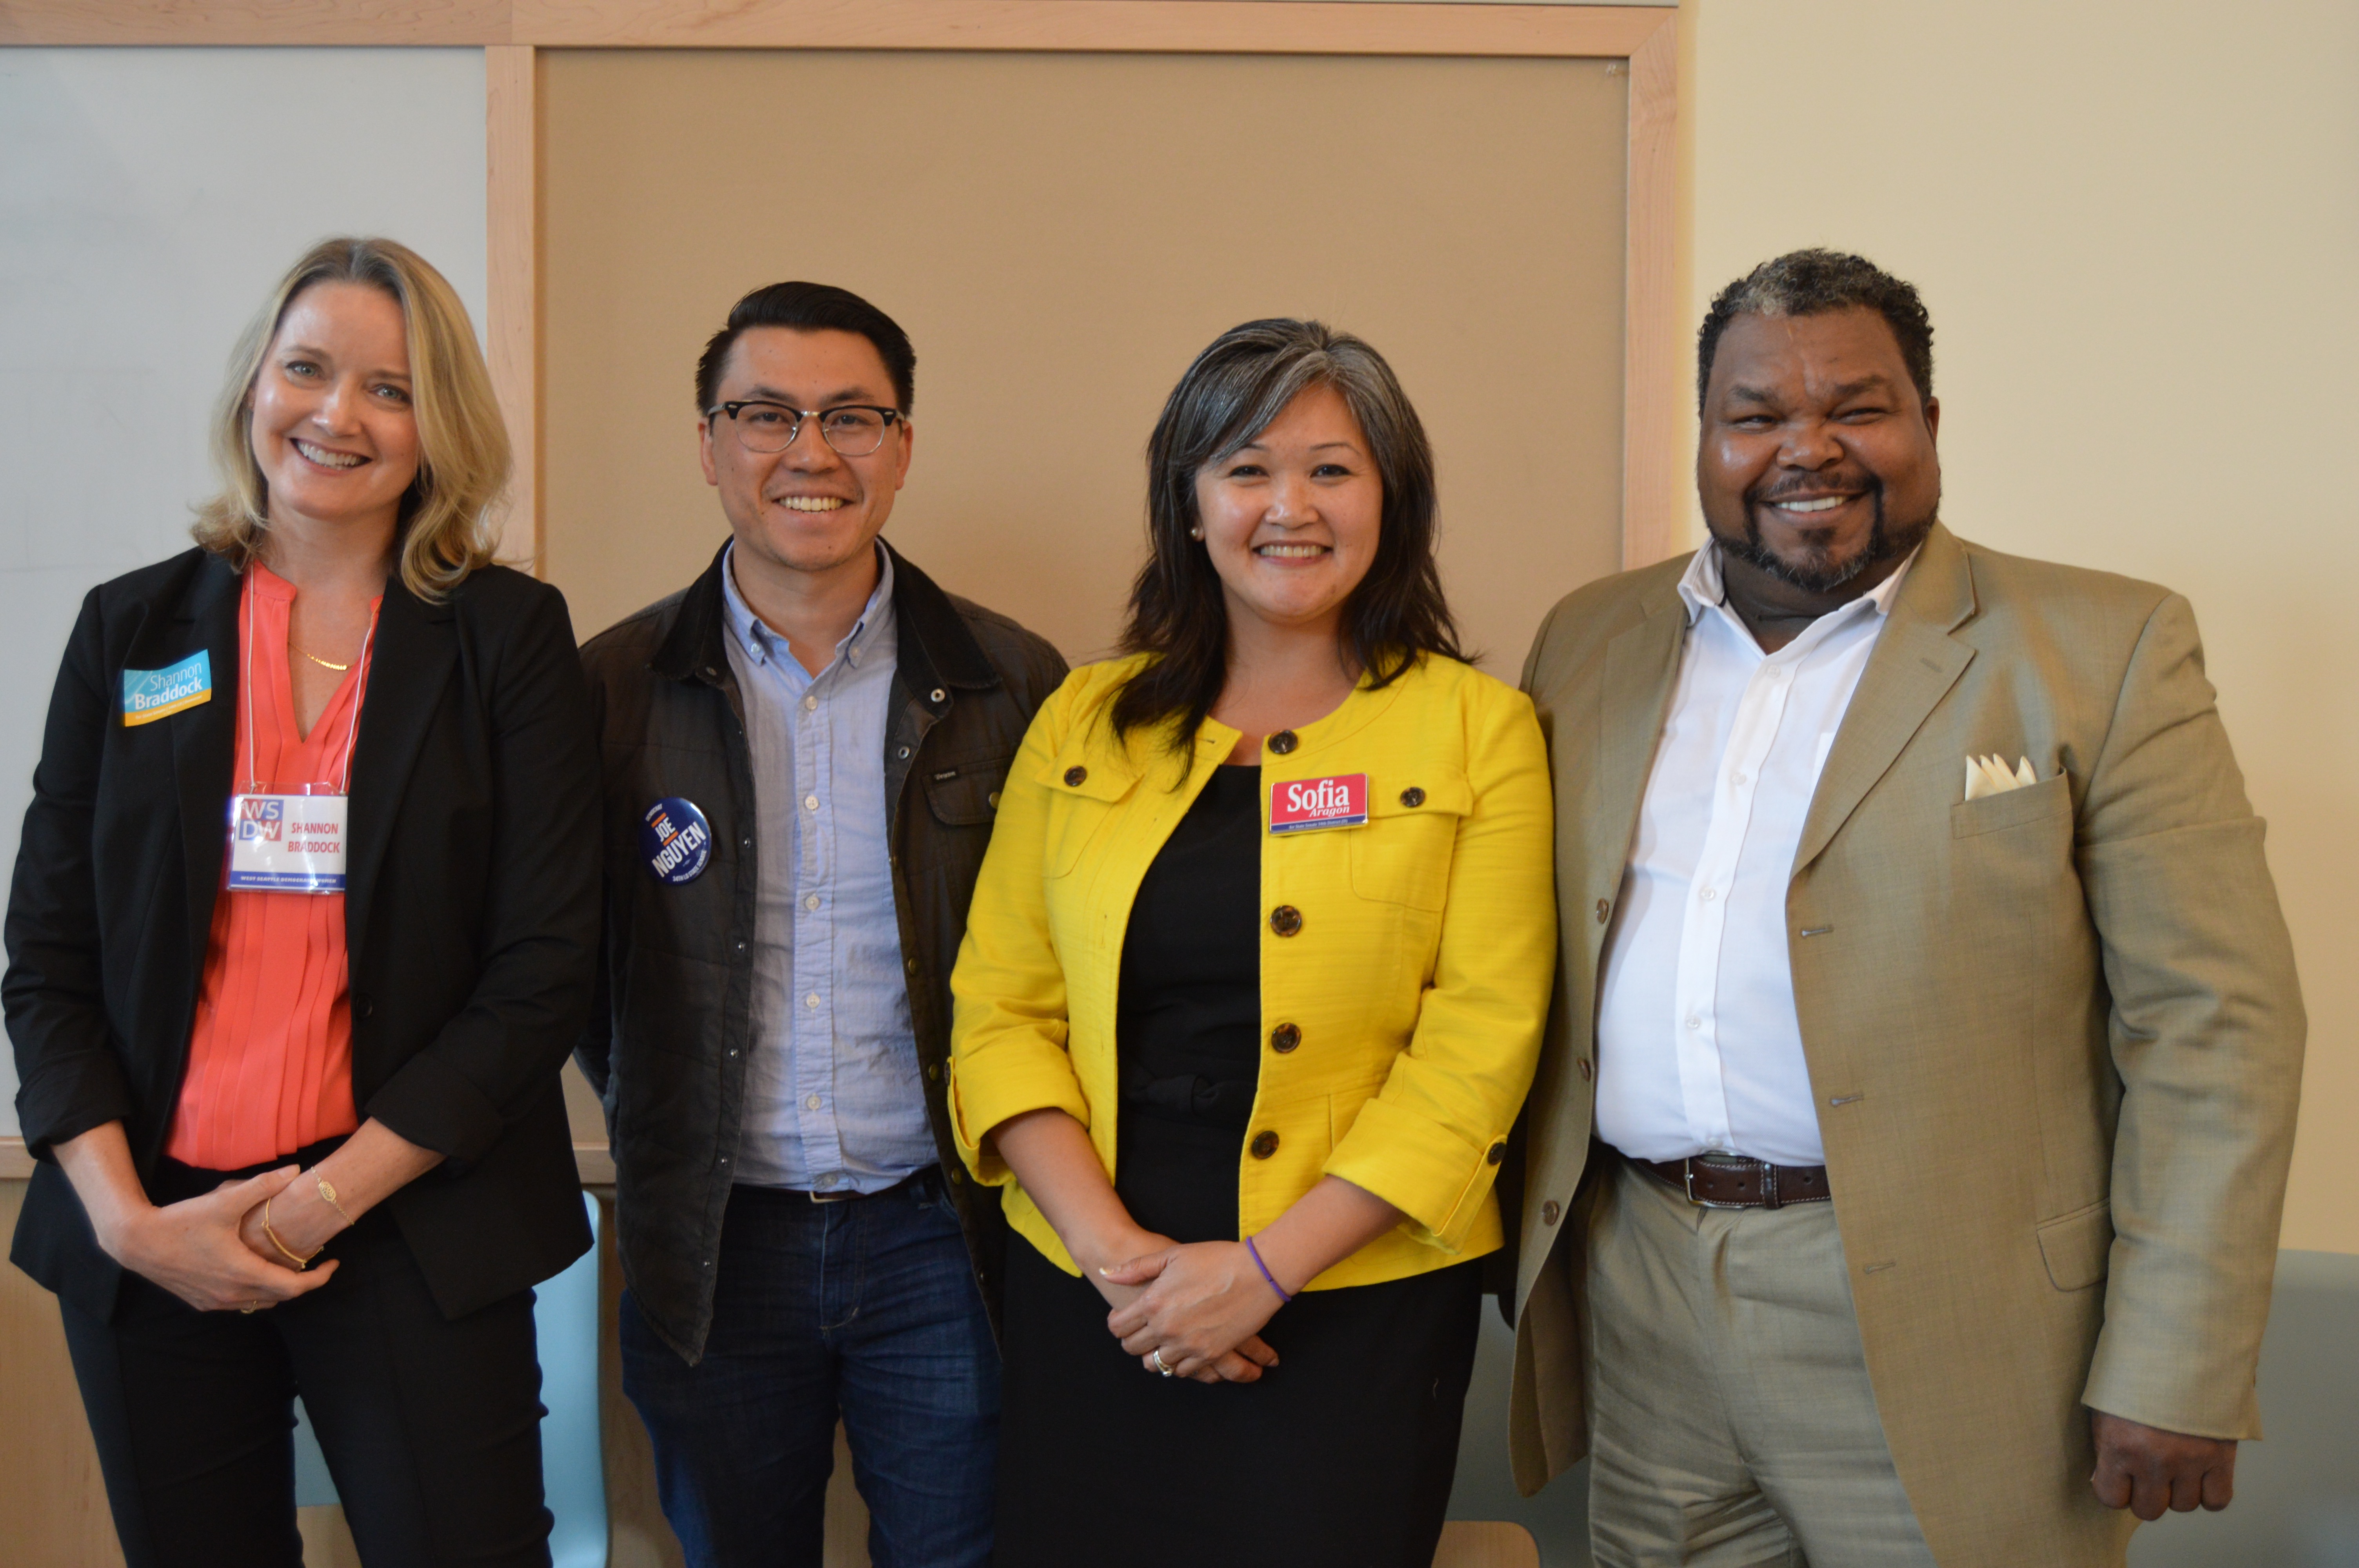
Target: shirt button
1707, 895
1695, 1024
1412, 796
1263, 1144
1496, 1153
1283, 742
991, 800
810, 901
934, 1072
1550, 1212
1583, 1063
1285, 1038
810, 700
1737, 779
810, 1102
1601, 907
903, 754
937, 696
813, 1000
810, 803
1286, 920
1075, 776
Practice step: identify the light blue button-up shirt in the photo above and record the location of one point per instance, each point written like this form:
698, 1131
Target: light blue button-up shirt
833, 1101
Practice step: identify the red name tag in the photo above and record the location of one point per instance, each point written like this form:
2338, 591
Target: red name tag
1338, 802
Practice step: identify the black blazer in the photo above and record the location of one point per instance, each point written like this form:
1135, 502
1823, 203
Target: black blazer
471, 912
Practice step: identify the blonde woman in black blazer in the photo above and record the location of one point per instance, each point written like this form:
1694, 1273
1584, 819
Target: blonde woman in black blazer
384, 1275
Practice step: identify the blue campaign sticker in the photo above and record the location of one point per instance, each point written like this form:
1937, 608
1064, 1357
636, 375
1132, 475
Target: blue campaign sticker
150, 694
676, 839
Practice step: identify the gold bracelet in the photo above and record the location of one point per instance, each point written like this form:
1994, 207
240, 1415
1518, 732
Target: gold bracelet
328, 1195
283, 1250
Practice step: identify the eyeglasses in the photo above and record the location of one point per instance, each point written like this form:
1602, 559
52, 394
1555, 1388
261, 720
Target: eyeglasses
854, 429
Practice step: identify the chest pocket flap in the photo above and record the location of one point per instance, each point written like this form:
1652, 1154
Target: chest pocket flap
1404, 853
1083, 784
964, 792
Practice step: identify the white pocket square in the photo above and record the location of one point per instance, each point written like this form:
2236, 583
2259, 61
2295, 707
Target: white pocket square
1988, 775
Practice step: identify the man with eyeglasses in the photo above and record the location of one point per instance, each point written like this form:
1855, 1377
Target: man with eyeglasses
804, 751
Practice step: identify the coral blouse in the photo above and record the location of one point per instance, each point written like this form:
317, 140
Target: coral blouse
270, 1055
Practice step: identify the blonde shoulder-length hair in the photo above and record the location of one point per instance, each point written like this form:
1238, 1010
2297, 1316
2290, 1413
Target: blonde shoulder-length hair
445, 531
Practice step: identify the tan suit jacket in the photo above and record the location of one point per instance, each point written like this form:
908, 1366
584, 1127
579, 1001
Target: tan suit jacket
2054, 1034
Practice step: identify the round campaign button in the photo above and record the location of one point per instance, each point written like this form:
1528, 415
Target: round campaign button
676, 840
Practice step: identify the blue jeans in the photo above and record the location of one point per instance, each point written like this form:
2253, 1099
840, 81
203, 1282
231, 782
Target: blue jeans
865, 1308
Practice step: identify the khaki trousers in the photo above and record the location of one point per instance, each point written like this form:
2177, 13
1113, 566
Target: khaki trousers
1732, 1422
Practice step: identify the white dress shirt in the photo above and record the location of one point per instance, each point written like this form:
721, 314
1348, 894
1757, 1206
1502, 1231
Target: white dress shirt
1697, 1045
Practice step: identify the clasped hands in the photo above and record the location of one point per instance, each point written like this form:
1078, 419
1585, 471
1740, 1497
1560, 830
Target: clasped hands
212, 1252
1200, 1305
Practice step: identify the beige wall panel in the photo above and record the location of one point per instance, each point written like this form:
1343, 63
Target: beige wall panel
2135, 232
1061, 235
52, 1503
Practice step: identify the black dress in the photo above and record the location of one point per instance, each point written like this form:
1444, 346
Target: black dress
1344, 1452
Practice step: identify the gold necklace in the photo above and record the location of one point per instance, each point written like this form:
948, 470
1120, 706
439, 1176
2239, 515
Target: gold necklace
322, 663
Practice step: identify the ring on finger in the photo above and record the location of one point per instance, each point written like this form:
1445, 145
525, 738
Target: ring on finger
1160, 1365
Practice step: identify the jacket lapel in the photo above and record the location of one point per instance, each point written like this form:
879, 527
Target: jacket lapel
204, 740
416, 648
1915, 664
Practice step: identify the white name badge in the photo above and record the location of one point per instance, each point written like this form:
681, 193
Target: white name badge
286, 843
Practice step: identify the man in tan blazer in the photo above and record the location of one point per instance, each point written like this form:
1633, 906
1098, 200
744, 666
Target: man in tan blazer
1903, 1175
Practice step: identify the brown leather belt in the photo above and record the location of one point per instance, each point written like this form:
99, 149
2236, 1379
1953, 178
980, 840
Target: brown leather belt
1732, 1181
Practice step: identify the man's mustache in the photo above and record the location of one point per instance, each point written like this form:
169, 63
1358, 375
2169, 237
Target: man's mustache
1770, 494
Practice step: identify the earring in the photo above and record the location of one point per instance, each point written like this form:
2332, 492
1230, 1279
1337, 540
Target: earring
1195, 532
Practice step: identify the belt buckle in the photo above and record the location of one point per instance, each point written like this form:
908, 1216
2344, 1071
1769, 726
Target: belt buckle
845, 1196
1687, 1173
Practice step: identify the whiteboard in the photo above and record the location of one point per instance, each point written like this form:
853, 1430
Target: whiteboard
148, 201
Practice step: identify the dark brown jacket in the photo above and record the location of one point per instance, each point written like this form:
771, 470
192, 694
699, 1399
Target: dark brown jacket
671, 1035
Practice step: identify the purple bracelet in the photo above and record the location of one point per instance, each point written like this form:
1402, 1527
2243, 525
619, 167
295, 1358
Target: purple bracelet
1265, 1274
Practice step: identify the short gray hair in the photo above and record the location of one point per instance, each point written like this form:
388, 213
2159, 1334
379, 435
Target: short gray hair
1812, 283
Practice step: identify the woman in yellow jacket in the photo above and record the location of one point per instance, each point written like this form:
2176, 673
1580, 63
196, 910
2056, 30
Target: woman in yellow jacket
1252, 989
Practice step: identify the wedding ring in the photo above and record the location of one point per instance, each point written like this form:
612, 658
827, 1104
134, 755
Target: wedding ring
1157, 1358
254, 1306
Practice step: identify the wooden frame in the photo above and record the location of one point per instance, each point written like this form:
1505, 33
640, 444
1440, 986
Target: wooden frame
510, 32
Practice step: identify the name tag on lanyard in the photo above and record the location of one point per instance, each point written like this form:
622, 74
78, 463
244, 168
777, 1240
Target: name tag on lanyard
291, 841
286, 843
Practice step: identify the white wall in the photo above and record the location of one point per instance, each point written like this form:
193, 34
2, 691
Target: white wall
148, 201
2137, 226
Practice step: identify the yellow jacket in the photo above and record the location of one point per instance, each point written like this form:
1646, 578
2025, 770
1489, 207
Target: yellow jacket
1416, 984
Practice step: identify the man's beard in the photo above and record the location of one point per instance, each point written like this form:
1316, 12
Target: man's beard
1886, 541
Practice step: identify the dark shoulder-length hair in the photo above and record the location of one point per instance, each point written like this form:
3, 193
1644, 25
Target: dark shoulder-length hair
1233, 393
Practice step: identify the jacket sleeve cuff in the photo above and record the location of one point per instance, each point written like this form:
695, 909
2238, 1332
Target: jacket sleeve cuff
63, 1100
2161, 1386
1017, 1079
436, 1108
1427, 1171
